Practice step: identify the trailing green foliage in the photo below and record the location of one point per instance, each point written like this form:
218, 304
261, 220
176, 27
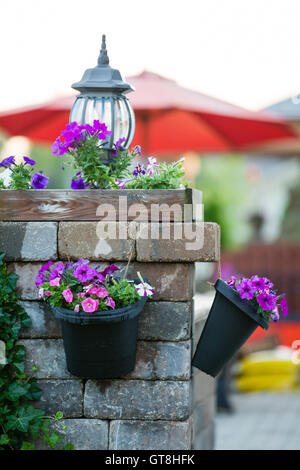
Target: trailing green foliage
122, 291
20, 421
88, 159
163, 176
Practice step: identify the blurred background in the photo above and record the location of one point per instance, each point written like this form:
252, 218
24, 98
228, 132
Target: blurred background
217, 82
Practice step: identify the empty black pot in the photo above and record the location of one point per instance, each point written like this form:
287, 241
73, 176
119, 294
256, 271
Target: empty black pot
231, 321
100, 345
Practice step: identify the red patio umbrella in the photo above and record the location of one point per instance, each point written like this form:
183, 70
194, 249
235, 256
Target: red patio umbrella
170, 119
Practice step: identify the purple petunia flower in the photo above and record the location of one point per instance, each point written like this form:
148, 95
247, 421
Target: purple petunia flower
29, 161
139, 170
101, 129
266, 301
231, 281
118, 146
109, 270
59, 147
57, 270
89, 128
246, 289
7, 162
79, 263
72, 133
69, 137
46, 266
97, 277
138, 149
284, 307
258, 283
39, 181
78, 183
39, 279
268, 283
83, 273
275, 315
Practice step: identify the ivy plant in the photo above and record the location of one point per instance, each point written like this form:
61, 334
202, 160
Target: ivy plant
20, 421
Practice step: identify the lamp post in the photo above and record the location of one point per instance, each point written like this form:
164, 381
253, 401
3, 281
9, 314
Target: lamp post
102, 97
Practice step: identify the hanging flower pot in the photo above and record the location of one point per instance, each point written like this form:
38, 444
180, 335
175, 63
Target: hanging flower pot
101, 344
239, 307
99, 339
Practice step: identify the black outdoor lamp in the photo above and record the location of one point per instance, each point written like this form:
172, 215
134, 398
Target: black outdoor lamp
102, 97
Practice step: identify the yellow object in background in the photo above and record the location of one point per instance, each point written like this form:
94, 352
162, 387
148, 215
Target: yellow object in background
268, 370
265, 366
274, 383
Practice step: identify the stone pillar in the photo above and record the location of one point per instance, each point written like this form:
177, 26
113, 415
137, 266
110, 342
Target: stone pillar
160, 405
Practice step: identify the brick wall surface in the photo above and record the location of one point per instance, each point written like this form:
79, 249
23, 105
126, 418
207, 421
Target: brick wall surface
162, 404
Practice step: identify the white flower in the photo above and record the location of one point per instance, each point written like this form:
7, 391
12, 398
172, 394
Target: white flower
41, 292
144, 289
152, 161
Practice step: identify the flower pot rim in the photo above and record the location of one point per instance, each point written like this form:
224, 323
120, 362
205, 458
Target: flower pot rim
233, 296
105, 316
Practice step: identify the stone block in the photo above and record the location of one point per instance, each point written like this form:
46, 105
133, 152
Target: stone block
84, 434
162, 360
43, 322
61, 395
176, 242
150, 435
49, 357
85, 240
28, 241
168, 321
27, 273
172, 281
137, 399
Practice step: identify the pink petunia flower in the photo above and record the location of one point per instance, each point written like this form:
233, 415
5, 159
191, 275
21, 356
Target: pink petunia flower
231, 281
92, 290
76, 309
48, 292
99, 291
68, 295
102, 292
110, 302
54, 282
90, 305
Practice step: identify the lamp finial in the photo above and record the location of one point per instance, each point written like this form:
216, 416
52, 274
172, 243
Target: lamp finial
103, 57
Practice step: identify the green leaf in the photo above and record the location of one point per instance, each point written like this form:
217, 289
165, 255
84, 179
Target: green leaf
17, 390
59, 415
19, 367
53, 439
27, 446
69, 446
24, 416
34, 392
4, 439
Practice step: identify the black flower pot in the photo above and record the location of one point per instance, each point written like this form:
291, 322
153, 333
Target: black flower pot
100, 345
231, 321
